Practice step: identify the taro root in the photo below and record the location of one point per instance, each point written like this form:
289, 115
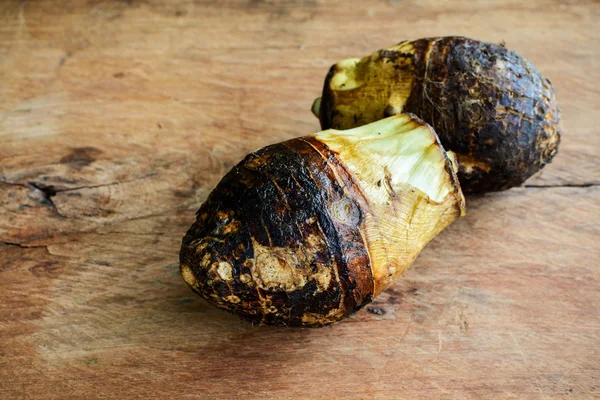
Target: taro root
487, 104
307, 231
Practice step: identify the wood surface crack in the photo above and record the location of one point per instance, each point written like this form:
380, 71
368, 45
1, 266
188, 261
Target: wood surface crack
23, 246
50, 190
573, 185
4, 181
47, 192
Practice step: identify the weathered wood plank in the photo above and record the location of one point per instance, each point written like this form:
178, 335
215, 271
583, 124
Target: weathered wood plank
118, 118
500, 305
116, 71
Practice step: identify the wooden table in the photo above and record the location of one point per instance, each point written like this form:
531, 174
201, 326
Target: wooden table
117, 118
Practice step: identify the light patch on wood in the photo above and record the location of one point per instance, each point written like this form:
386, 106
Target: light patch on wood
147, 348
286, 269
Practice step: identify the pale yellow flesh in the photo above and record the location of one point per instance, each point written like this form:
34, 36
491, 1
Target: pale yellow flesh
409, 186
364, 87
407, 150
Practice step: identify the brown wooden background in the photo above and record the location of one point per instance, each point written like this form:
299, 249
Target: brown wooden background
118, 117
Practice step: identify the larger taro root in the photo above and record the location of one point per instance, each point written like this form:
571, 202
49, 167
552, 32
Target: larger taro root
308, 231
487, 104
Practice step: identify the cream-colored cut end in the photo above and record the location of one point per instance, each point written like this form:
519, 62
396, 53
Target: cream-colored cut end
392, 153
408, 188
371, 88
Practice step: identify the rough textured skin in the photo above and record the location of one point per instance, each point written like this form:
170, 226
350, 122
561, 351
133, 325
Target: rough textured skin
278, 199
487, 104
294, 236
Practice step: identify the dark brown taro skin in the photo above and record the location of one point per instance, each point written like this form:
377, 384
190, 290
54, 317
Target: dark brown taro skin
280, 197
488, 104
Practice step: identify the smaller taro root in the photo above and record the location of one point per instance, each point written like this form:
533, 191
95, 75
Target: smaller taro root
487, 104
308, 231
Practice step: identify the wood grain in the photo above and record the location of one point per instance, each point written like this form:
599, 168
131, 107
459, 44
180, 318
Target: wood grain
117, 118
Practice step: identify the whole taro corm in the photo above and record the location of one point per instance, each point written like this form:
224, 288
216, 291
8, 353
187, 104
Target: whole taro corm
487, 104
308, 231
